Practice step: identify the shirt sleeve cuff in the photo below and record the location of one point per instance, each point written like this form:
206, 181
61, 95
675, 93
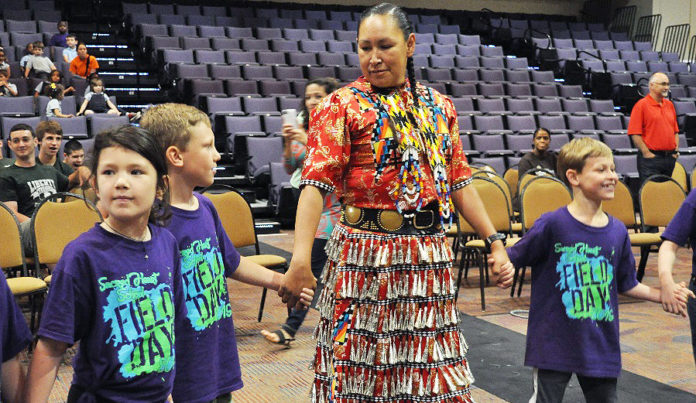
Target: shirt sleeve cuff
320, 185
461, 184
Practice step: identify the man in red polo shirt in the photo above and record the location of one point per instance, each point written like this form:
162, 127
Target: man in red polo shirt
654, 131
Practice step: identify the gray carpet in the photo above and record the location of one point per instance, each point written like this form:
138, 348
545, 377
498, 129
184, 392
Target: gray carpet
496, 357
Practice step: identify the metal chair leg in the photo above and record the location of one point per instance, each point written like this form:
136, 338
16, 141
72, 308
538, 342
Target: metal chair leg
519, 289
644, 252
263, 302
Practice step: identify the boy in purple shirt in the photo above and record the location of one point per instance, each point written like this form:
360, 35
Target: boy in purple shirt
207, 364
581, 259
681, 229
14, 337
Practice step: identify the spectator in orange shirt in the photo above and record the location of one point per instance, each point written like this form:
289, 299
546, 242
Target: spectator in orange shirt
84, 64
654, 131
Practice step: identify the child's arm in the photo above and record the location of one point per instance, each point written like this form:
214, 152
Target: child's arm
252, 273
13, 92
12, 380
642, 291
83, 107
43, 369
111, 105
60, 115
669, 290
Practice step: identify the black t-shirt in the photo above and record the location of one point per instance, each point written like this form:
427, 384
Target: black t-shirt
28, 186
532, 161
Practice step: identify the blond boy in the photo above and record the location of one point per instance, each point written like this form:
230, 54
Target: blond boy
581, 259
208, 258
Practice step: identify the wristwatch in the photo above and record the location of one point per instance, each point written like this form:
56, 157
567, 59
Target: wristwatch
492, 238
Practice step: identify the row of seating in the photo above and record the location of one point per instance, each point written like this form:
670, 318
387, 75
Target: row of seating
29, 26
45, 12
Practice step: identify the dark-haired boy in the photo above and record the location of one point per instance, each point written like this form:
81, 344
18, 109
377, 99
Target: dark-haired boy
73, 153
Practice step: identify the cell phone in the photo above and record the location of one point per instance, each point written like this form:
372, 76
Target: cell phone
289, 117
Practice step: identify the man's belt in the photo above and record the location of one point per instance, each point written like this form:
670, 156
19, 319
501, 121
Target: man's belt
663, 153
412, 222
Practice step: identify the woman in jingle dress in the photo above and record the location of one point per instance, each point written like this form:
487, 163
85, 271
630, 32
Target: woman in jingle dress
390, 150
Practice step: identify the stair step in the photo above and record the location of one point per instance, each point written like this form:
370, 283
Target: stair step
128, 79
101, 51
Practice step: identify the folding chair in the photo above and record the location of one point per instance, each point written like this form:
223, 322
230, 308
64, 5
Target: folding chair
659, 199
49, 231
538, 195
238, 221
498, 208
12, 255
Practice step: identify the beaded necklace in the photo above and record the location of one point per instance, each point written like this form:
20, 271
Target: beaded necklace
399, 132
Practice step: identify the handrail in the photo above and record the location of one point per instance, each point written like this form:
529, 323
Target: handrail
528, 34
648, 29
624, 18
674, 38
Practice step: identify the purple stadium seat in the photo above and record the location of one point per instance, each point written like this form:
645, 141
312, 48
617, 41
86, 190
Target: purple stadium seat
440, 49
469, 39
211, 31
468, 50
610, 124
253, 72
209, 57
616, 65
331, 59
517, 76
490, 123
320, 72
604, 44
171, 19
575, 105
636, 66
492, 62
442, 61
520, 143
102, 121
521, 105
270, 58
241, 87
491, 75
558, 140
570, 91
489, 143
626, 165
542, 76
194, 43
491, 51
339, 46
284, 45
584, 123
490, 89
17, 105
223, 106
521, 123
301, 59
240, 57
555, 123
283, 73
25, 27
184, 71
214, 10
655, 66
494, 106
313, 46
73, 127
183, 30
260, 106
273, 88
177, 56
254, 44
295, 34
640, 46
462, 89
268, 33
466, 62
239, 32
162, 9
545, 89
497, 163
518, 89
516, 63
629, 54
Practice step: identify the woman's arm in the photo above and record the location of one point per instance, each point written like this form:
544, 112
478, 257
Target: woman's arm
470, 206
299, 275
43, 369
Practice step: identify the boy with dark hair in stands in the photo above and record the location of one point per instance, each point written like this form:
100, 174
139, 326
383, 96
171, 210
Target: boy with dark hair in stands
73, 153
60, 39
50, 136
38, 65
26, 182
207, 362
581, 259
70, 52
7, 89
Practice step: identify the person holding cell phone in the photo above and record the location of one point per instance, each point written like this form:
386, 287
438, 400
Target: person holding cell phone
295, 133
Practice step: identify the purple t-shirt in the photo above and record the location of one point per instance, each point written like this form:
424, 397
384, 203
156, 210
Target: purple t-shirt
119, 298
577, 273
207, 364
682, 228
14, 332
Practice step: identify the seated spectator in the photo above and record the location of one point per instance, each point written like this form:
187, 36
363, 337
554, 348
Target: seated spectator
56, 77
28, 52
97, 101
25, 183
50, 136
84, 64
540, 157
54, 107
4, 161
38, 65
59, 39
4, 66
70, 52
7, 89
73, 153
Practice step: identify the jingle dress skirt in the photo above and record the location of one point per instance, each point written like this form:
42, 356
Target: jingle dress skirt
389, 325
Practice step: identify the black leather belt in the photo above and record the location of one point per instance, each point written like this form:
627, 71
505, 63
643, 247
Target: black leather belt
412, 222
663, 153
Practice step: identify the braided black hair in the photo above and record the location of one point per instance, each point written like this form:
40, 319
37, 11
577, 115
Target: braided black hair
404, 25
